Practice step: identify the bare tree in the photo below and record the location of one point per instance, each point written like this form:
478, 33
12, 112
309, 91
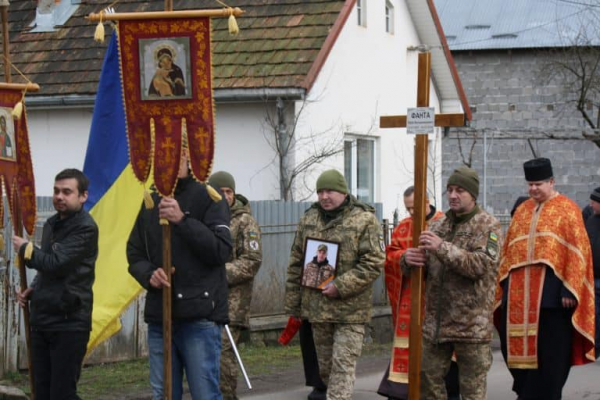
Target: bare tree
467, 158
280, 131
576, 66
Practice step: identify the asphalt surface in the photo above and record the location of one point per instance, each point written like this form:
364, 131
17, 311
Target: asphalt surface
583, 383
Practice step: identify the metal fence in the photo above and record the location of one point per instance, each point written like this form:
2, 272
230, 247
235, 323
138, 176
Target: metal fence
278, 222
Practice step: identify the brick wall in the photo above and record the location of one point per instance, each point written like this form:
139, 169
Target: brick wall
512, 101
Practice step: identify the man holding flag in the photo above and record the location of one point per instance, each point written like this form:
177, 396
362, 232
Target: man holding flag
201, 245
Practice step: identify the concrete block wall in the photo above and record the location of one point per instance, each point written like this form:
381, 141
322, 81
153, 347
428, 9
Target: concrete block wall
511, 102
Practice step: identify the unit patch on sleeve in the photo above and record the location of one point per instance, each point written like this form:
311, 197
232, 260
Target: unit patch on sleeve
381, 242
253, 240
492, 245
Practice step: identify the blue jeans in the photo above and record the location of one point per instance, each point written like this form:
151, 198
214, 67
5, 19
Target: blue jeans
597, 290
196, 347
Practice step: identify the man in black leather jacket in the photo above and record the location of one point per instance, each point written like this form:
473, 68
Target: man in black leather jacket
60, 295
201, 245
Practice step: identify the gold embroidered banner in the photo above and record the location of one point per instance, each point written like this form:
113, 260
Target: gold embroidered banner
16, 171
166, 73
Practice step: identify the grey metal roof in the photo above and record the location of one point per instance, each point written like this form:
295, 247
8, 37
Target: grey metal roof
445, 76
512, 24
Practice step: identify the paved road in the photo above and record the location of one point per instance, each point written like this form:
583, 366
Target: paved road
583, 384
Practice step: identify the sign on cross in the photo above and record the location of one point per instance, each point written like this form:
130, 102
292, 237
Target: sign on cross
416, 277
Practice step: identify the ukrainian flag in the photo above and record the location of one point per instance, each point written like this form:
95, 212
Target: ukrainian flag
115, 197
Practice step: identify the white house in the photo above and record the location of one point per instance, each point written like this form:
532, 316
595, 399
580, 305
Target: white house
330, 68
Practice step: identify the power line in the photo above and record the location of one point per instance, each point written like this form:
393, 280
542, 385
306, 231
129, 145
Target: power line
578, 3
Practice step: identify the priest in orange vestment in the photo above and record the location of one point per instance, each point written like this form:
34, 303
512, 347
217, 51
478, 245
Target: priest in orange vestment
394, 384
545, 295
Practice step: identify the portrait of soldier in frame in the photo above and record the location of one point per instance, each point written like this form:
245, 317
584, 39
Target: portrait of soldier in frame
320, 258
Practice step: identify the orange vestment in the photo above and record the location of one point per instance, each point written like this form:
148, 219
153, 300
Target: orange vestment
398, 288
552, 235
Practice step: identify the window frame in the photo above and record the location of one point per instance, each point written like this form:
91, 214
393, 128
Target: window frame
352, 180
389, 17
361, 11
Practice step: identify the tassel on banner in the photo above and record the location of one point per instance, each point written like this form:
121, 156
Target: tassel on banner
214, 195
17, 112
234, 29
148, 201
28, 251
99, 34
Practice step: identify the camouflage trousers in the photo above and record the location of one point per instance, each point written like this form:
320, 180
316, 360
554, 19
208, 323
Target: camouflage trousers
338, 347
229, 364
474, 361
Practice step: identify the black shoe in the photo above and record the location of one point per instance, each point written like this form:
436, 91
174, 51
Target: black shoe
318, 394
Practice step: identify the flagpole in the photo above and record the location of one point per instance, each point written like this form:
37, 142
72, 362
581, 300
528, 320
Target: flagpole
224, 12
167, 325
5, 39
23, 285
18, 226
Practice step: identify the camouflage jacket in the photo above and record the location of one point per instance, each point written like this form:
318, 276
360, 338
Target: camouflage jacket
461, 276
359, 263
246, 259
315, 275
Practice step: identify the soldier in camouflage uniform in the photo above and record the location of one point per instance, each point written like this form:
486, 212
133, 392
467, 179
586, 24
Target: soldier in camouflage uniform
340, 310
461, 254
318, 271
245, 261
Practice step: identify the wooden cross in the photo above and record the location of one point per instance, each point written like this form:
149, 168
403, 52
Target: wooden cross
416, 276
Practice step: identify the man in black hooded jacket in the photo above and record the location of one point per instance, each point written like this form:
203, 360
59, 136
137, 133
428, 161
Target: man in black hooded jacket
201, 245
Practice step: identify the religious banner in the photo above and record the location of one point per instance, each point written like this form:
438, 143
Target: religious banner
16, 171
167, 91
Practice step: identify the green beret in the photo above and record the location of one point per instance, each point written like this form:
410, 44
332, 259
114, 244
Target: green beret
222, 179
332, 180
467, 179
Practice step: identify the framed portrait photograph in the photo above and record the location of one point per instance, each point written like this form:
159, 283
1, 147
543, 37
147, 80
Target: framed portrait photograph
165, 68
7, 135
320, 262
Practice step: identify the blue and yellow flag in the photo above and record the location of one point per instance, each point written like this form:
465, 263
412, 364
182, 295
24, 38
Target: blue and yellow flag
115, 197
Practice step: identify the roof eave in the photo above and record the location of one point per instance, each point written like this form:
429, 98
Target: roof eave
442, 38
220, 95
335, 31
428, 26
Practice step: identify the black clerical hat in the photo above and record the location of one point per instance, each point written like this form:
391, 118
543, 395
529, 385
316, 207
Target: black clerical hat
538, 169
595, 195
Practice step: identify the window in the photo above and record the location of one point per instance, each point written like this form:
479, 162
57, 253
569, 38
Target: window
51, 14
389, 18
359, 167
361, 10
